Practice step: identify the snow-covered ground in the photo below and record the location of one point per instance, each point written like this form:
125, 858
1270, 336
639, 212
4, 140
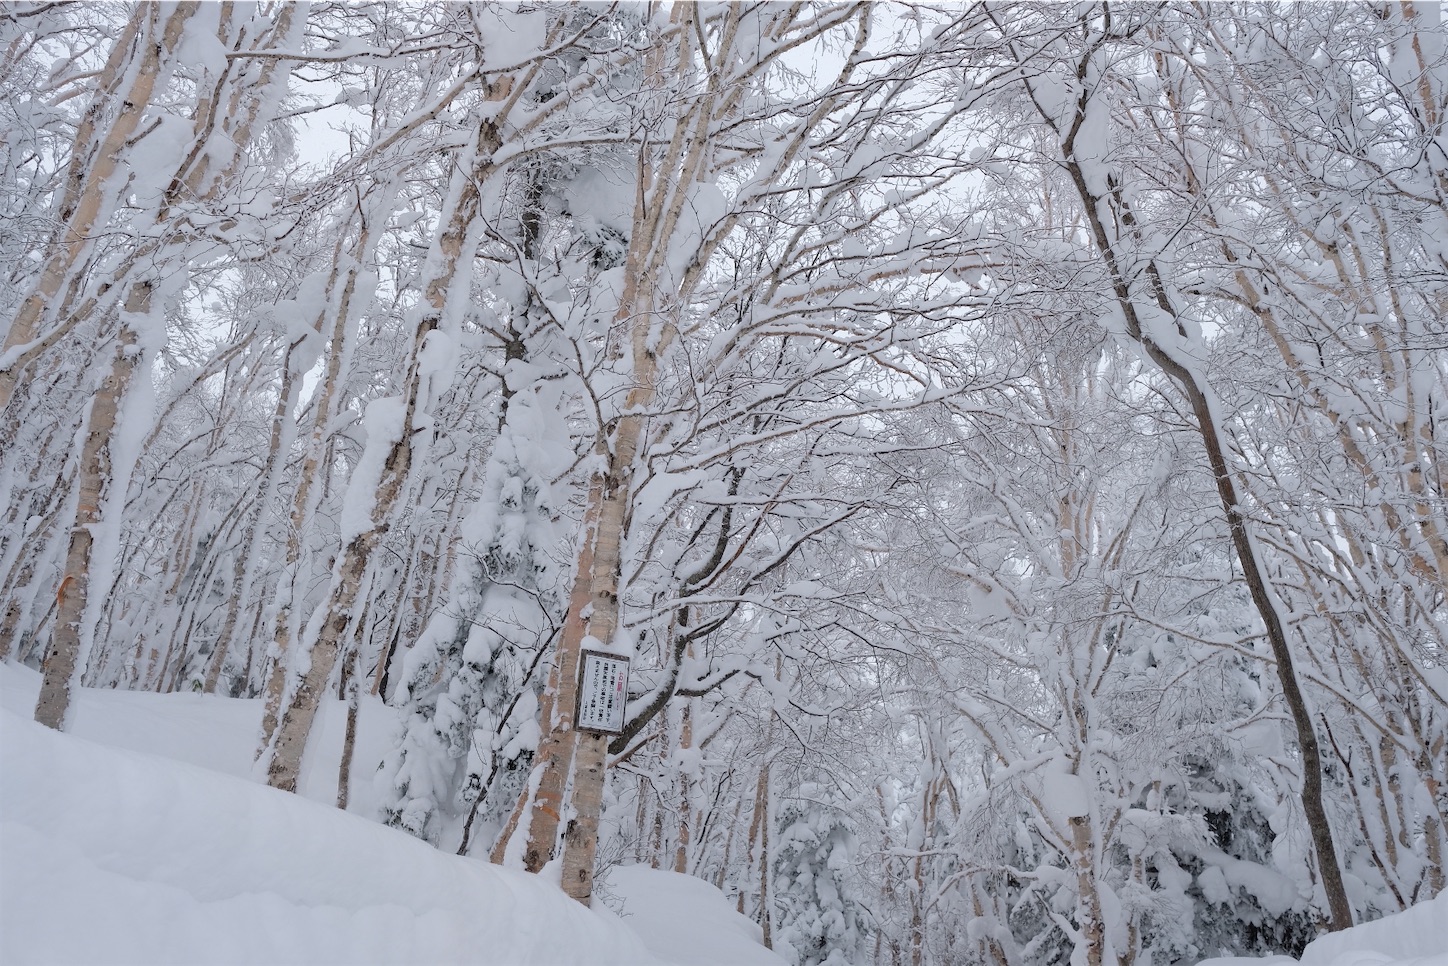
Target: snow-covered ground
1418, 937
140, 839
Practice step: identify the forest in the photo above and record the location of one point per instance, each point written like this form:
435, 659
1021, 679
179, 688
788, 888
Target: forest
1007, 441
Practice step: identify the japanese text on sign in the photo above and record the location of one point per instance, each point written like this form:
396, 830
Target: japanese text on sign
602, 693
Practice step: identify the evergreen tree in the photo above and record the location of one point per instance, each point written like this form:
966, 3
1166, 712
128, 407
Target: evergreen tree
817, 915
470, 731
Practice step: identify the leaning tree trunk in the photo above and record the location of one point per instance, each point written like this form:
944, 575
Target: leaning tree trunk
567, 758
324, 405
103, 473
243, 578
92, 186
295, 726
592, 613
282, 758
63, 662
127, 81
1209, 428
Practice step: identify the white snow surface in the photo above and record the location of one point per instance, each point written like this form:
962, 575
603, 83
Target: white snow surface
138, 839
685, 920
1417, 937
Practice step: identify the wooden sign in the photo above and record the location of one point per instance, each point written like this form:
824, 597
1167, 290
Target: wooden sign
602, 693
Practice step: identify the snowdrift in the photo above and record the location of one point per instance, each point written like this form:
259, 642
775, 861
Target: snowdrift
1417, 937
110, 855
113, 856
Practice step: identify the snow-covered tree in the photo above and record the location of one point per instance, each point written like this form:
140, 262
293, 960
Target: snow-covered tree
1022, 421
816, 916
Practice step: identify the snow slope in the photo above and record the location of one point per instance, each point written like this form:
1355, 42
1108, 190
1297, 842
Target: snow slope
141, 839
685, 920
115, 855
1417, 937
219, 734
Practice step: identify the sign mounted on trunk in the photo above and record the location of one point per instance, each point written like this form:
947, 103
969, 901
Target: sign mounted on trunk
602, 693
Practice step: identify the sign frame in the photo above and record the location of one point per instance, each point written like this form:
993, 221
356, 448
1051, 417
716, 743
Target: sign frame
613, 670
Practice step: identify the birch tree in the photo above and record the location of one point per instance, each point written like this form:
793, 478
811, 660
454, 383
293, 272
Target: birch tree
817, 285
139, 281
383, 474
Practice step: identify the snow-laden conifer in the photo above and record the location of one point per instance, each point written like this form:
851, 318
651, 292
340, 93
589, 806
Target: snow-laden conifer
816, 915
468, 685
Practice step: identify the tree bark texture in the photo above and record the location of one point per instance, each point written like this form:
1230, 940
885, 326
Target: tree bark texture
663, 192
62, 668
